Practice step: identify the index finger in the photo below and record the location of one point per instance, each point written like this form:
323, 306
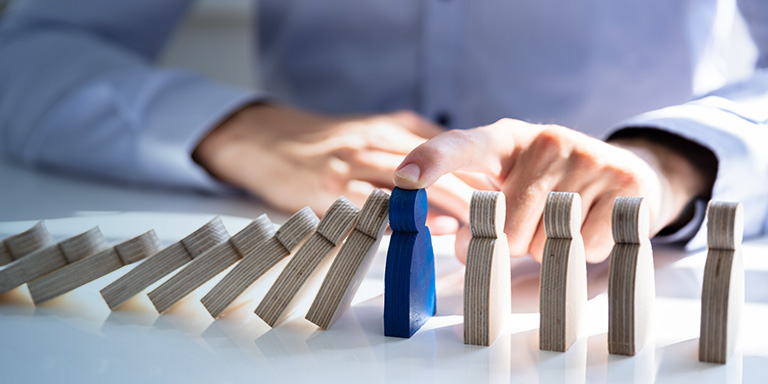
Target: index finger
480, 149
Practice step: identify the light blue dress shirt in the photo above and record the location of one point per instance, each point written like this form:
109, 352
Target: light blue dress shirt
79, 90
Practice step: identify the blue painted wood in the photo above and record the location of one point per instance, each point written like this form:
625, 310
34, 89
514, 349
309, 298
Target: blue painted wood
409, 279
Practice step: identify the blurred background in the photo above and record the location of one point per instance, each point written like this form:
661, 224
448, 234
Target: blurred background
217, 38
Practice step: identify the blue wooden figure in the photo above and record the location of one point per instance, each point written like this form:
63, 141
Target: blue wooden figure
409, 280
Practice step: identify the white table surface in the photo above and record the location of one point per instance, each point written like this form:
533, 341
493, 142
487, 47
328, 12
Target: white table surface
76, 338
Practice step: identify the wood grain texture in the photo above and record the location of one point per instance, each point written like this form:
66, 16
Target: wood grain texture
487, 285
562, 215
83, 271
209, 264
409, 277
563, 279
166, 261
295, 230
631, 284
51, 258
722, 296
352, 263
630, 223
19, 245
310, 260
725, 225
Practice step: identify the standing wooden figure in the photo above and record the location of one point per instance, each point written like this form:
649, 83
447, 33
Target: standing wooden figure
563, 289
487, 286
722, 296
631, 286
409, 278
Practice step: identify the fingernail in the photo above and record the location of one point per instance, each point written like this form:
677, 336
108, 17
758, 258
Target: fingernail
410, 172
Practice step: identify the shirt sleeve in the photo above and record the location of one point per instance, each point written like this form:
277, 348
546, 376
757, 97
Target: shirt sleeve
79, 92
732, 122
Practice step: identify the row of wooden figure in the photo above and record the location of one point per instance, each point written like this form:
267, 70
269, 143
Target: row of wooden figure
50, 269
631, 287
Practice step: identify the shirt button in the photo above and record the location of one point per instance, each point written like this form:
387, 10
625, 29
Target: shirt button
443, 118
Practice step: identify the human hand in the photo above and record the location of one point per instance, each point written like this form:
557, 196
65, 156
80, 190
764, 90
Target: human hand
291, 158
526, 161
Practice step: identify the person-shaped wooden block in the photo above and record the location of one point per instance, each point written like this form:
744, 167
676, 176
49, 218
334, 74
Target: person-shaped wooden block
166, 261
19, 245
631, 286
563, 282
487, 286
304, 272
722, 295
352, 263
51, 258
87, 269
409, 278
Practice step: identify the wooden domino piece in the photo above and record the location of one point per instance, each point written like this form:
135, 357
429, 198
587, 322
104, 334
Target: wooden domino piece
631, 287
51, 258
83, 271
409, 277
352, 263
212, 262
487, 285
563, 282
290, 235
166, 261
722, 296
19, 245
310, 259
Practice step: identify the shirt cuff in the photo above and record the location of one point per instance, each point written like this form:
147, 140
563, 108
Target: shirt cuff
734, 139
182, 116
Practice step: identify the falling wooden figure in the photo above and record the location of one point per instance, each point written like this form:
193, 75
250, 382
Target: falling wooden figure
352, 262
409, 278
631, 287
315, 255
290, 235
19, 245
48, 259
166, 261
487, 286
563, 289
722, 296
212, 262
87, 269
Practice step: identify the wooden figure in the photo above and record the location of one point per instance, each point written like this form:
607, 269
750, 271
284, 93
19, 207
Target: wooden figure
19, 245
166, 261
310, 259
212, 262
51, 258
563, 282
487, 286
631, 287
290, 235
352, 262
722, 296
83, 271
409, 278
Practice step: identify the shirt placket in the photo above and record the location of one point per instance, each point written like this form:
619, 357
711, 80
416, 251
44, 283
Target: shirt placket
441, 60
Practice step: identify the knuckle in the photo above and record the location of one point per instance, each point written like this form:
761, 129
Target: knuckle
628, 182
554, 141
406, 117
584, 160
